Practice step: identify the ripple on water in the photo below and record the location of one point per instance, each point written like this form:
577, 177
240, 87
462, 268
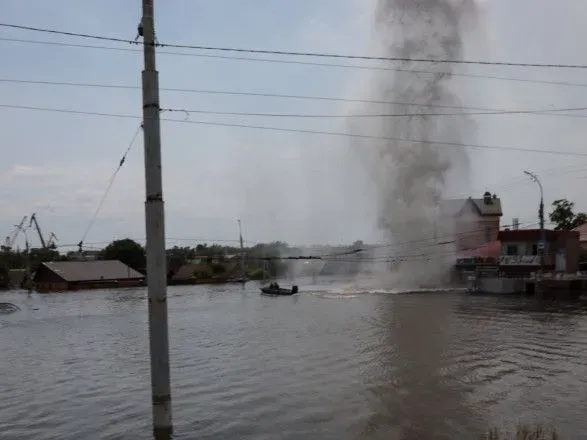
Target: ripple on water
434, 365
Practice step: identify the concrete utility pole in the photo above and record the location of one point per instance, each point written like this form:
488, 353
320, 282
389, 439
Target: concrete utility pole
29, 281
155, 228
240, 234
542, 244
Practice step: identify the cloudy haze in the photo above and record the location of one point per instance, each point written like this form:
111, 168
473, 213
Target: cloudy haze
301, 188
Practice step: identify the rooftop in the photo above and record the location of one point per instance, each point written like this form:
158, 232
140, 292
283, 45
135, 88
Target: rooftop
488, 205
92, 270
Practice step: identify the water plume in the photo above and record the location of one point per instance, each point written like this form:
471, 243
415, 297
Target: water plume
411, 178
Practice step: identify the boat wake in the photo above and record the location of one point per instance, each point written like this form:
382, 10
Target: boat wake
354, 291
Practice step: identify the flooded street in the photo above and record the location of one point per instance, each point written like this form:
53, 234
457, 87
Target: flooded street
325, 364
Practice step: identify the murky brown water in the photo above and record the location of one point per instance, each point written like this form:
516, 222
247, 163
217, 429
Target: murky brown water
322, 365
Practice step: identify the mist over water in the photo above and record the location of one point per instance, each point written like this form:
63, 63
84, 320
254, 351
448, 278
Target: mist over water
412, 178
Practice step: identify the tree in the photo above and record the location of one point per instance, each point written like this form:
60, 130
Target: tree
128, 251
178, 256
564, 217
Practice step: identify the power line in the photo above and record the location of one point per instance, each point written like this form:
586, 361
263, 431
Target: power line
482, 110
315, 132
252, 94
292, 53
109, 187
298, 62
551, 112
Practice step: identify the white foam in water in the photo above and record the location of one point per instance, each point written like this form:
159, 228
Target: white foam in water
350, 291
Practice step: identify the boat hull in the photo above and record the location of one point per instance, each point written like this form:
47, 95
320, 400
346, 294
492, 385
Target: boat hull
278, 292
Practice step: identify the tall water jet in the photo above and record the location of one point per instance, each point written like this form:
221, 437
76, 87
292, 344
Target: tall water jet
411, 177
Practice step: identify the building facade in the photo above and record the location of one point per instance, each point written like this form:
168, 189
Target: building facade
520, 251
473, 222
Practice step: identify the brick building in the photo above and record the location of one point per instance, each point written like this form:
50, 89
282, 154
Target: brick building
520, 251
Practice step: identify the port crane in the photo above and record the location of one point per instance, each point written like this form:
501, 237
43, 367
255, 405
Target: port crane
9, 241
47, 244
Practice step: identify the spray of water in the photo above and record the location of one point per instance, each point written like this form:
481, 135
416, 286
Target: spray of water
411, 178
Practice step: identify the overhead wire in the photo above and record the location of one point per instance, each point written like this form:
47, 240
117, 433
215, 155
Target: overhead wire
298, 62
308, 131
256, 94
109, 187
439, 240
290, 53
550, 112
478, 110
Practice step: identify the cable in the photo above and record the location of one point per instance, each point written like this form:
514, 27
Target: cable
555, 112
316, 132
292, 53
109, 187
483, 110
448, 237
138, 240
298, 62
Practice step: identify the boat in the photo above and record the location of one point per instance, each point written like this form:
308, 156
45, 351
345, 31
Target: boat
274, 289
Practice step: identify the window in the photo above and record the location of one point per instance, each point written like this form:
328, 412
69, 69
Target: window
534, 249
512, 249
487, 234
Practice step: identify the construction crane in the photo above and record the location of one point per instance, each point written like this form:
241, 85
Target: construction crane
38, 228
9, 242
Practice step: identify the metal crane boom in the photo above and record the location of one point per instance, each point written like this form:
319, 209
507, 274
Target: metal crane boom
37, 227
12, 238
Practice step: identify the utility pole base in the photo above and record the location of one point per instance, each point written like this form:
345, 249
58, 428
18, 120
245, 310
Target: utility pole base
163, 433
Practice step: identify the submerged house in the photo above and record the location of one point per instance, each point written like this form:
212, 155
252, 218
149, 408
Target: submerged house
200, 272
60, 276
520, 254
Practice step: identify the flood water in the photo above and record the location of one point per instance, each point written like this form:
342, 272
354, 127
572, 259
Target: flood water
330, 363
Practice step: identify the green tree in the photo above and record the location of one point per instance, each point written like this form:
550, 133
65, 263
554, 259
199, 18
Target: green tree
564, 217
178, 256
128, 251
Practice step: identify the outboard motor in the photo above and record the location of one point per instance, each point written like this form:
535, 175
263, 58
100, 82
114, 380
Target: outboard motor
294, 289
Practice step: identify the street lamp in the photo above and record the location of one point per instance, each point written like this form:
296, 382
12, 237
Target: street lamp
542, 243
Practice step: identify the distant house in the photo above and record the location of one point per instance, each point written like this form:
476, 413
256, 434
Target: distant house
58, 276
203, 273
582, 230
474, 222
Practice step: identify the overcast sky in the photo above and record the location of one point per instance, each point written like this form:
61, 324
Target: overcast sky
301, 188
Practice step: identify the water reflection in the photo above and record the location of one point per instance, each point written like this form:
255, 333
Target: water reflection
413, 396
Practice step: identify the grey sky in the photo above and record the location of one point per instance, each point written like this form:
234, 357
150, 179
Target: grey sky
290, 186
